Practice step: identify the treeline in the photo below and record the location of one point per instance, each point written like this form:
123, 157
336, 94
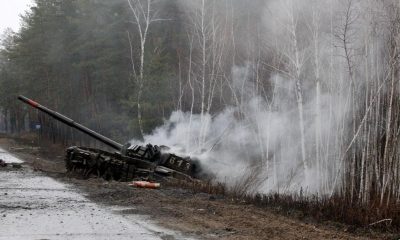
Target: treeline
111, 67
74, 56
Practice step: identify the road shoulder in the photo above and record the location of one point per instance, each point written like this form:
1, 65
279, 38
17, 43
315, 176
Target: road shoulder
196, 215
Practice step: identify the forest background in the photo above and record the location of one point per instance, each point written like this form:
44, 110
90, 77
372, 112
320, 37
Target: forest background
285, 96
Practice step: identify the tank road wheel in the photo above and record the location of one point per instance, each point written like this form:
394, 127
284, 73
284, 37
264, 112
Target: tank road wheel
108, 173
128, 172
116, 168
111, 170
103, 165
68, 164
124, 174
91, 165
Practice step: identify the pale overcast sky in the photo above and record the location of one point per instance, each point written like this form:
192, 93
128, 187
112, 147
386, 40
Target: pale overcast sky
10, 11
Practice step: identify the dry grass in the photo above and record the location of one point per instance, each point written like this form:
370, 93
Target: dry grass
337, 208
315, 208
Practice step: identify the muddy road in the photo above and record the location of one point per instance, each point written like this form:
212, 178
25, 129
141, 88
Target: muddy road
34, 206
41, 201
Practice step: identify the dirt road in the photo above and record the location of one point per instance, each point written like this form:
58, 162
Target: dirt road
34, 206
194, 215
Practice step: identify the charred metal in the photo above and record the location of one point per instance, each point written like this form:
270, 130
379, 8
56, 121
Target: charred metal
128, 162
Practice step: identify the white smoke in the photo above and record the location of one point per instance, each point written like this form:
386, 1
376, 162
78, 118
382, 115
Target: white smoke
261, 136
254, 138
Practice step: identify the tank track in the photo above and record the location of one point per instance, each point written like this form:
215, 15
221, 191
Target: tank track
114, 166
131, 161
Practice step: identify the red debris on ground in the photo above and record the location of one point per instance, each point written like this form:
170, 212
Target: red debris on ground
144, 184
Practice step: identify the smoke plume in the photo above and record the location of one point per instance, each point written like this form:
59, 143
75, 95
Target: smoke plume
316, 75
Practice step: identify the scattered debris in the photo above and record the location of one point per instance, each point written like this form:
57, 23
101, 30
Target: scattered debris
3, 163
145, 184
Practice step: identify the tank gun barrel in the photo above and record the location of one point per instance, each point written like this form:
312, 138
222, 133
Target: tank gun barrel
72, 123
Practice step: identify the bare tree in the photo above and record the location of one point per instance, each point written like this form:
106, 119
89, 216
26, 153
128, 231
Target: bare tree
207, 38
144, 16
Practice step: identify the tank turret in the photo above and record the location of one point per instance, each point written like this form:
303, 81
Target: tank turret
126, 163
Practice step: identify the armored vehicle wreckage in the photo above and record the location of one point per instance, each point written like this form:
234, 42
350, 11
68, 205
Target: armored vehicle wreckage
127, 162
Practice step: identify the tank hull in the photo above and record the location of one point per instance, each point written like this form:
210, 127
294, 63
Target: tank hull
126, 163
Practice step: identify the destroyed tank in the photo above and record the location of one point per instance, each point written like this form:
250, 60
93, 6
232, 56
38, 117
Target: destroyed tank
128, 162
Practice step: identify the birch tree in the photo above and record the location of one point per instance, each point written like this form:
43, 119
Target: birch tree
144, 16
206, 26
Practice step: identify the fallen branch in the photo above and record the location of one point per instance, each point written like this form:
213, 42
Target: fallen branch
383, 220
